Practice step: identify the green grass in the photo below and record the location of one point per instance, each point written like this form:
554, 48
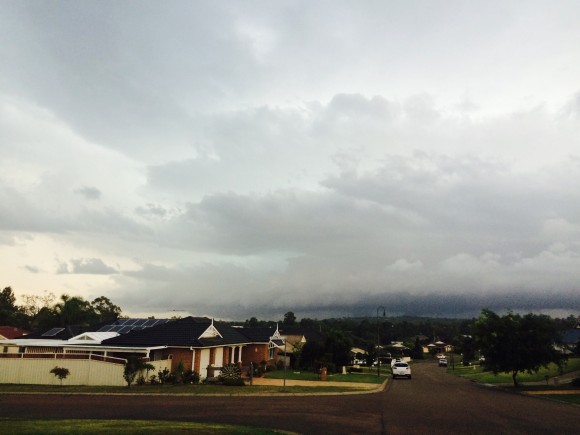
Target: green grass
476, 373
309, 376
66, 427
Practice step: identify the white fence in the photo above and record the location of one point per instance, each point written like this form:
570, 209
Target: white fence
82, 371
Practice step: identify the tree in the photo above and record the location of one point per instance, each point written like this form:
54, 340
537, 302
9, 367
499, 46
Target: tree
338, 344
289, 318
60, 372
133, 366
38, 311
74, 310
105, 310
515, 344
417, 351
8, 308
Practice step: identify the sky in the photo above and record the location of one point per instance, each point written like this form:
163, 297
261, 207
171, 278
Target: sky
243, 159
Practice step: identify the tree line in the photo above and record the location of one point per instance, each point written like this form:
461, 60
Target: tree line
511, 343
45, 312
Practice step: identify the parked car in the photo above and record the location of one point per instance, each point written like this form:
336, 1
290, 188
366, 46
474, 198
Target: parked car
401, 369
395, 360
443, 362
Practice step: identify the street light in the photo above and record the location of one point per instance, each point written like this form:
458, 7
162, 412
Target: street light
379, 341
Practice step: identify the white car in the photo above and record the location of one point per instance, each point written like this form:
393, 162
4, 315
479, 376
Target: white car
401, 369
395, 360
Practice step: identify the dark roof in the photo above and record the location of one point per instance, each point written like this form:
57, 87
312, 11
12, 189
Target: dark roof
180, 332
572, 336
60, 332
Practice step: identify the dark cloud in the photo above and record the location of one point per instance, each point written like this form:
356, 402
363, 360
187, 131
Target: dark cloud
90, 193
91, 266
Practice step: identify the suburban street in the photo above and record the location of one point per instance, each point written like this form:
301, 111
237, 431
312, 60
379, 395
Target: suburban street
432, 402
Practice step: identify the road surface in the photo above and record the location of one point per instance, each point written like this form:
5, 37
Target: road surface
433, 402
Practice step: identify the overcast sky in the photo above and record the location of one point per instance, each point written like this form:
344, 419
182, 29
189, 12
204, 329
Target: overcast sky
248, 158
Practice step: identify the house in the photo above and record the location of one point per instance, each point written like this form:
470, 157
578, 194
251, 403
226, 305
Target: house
264, 346
440, 347
571, 339
199, 344
196, 343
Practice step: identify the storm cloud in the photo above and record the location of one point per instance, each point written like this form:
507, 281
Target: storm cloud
245, 160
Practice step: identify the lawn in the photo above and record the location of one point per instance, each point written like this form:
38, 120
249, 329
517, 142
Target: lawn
309, 376
66, 427
477, 373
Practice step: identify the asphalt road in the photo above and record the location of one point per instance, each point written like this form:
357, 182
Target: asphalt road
432, 402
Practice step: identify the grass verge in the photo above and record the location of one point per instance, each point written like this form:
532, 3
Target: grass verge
172, 389
476, 373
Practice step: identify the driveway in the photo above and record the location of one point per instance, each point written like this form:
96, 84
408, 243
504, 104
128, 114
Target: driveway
433, 402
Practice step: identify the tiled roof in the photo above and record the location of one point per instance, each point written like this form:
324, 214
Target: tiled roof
180, 332
308, 333
11, 332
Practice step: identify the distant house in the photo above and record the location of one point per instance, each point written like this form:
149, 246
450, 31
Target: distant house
571, 339
440, 347
9, 332
358, 355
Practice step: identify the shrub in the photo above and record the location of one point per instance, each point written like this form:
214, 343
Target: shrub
165, 376
233, 382
140, 380
190, 377
271, 368
576, 382
134, 366
331, 367
280, 365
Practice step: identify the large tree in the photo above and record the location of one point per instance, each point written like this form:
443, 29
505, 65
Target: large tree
289, 318
515, 344
105, 310
8, 308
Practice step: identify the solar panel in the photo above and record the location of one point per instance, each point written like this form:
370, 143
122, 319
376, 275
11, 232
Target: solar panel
52, 332
122, 326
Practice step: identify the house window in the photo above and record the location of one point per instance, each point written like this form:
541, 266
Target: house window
5, 349
271, 353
